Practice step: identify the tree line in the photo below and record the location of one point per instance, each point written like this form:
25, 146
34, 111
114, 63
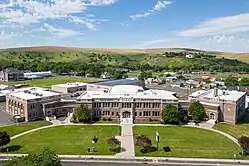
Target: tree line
235, 81
95, 64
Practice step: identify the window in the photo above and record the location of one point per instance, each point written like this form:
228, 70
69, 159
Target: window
146, 105
126, 105
135, 113
146, 113
106, 105
156, 113
138, 105
140, 113
115, 104
106, 113
112, 113
96, 105
155, 105
32, 106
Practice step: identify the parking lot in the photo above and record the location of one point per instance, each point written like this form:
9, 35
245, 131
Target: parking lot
5, 118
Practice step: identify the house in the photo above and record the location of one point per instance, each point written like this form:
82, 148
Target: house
190, 56
11, 75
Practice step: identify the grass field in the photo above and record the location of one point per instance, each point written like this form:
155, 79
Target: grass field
244, 57
238, 130
188, 142
234, 130
67, 139
17, 129
46, 83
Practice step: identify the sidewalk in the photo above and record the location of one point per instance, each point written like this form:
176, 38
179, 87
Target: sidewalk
132, 159
127, 144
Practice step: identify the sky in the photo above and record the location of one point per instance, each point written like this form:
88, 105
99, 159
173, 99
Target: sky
217, 25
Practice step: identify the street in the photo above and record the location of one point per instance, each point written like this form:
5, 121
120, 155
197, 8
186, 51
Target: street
174, 163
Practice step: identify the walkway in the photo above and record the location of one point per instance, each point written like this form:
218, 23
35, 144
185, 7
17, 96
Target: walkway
30, 131
127, 143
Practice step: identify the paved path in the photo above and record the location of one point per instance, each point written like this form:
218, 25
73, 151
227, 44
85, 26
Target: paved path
127, 143
30, 131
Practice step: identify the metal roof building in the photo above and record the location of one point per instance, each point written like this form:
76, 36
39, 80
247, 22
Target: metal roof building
127, 81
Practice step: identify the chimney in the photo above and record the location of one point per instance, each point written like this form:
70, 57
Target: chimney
215, 92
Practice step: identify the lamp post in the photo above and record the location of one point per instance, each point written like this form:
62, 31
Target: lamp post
157, 140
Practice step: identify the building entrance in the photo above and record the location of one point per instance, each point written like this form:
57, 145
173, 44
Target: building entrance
126, 114
126, 118
211, 116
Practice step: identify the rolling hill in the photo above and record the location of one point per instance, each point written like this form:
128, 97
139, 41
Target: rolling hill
244, 57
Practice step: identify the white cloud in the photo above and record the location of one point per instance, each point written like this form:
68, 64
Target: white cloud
217, 26
101, 2
140, 15
90, 23
32, 11
59, 32
4, 35
126, 24
230, 33
156, 8
161, 5
28, 12
225, 42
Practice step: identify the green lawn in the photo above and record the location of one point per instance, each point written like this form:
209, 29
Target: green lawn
234, 130
17, 129
188, 142
48, 82
237, 130
67, 139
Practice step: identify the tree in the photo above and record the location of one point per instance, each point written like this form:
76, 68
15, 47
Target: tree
142, 141
4, 139
82, 113
197, 111
244, 143
170, 114
144, 75
46, 158
231, 81
244, 81
113, 143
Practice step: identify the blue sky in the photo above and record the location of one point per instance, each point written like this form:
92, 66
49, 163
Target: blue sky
221, 25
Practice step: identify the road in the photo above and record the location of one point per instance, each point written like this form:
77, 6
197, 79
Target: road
142, 164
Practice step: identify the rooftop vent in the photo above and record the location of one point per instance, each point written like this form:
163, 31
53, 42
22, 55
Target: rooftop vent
215, 92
